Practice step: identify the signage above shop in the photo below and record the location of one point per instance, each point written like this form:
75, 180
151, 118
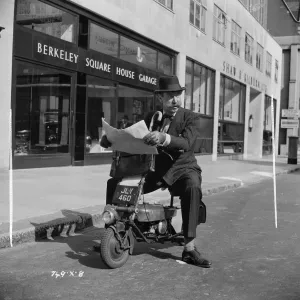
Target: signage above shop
243, 76
67, 55
289, 123
56, 53
290, 113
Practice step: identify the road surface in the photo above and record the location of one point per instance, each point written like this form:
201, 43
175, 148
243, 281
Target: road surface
251, 259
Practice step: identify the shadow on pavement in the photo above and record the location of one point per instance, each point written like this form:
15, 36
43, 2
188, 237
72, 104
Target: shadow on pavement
87, 236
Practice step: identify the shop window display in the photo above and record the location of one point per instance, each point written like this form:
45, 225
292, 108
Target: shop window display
42, 110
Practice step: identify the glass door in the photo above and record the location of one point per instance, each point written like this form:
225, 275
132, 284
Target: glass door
43, 116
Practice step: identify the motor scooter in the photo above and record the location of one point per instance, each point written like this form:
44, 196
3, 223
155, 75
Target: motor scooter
130, 219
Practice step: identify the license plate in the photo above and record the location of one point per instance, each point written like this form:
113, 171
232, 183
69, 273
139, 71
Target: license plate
125, 194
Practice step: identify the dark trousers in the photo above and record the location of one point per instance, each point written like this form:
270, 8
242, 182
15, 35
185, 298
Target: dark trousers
188, 188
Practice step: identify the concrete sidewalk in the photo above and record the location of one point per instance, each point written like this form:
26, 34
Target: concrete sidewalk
53, 197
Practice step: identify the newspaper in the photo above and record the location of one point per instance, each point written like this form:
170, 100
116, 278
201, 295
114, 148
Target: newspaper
130, 139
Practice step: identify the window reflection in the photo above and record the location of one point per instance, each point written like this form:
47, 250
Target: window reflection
188, 85
197, 105
42, 110
230, 138
204, 142
165, 63
210, 92
104, 40
232, 99
200, 94
137, 53
133, 105
44, 18
232, 116
129, 107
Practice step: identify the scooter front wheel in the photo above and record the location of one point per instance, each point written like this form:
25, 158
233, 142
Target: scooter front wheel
110, 249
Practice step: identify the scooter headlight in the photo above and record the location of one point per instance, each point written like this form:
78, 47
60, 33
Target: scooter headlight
108, 217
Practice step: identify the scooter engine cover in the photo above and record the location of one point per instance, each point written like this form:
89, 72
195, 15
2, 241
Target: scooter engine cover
150, 212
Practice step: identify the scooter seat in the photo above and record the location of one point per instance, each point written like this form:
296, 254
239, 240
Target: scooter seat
131, 181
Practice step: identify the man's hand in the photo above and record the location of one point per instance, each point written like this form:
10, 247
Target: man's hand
155, 138
105, 143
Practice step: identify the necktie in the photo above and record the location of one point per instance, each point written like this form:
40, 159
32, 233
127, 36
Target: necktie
166, 121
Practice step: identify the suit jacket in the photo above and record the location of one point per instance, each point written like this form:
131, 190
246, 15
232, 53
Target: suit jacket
184, 130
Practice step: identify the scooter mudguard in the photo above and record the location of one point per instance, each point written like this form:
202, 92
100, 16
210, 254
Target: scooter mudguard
120, 227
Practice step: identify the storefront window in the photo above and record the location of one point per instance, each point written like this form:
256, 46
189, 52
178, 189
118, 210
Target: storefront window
205, 141
199, 97
165, 63
188, 85
232, 98
44, 18
42, 112
210, 96
101, 103
231, 116
231, 138
137, 53
133, 105
104, 40
201, 81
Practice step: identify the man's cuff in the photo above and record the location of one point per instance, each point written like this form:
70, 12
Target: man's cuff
167, 140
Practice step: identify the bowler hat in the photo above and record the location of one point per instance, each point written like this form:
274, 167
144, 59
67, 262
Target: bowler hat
169, 84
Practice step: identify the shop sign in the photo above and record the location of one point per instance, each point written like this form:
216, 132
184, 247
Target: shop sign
63, 54
54, 52
289, 123
132, 74
243, 76
57, 53
290, 113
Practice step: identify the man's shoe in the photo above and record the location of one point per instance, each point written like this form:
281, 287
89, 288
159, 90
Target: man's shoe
194, 258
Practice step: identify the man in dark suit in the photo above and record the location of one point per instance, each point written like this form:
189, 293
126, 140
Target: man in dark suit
176, 166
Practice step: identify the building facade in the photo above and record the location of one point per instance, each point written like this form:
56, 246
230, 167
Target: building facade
70, 63
286, 13
258, 9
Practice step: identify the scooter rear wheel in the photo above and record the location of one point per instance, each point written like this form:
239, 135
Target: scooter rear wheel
110, 250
